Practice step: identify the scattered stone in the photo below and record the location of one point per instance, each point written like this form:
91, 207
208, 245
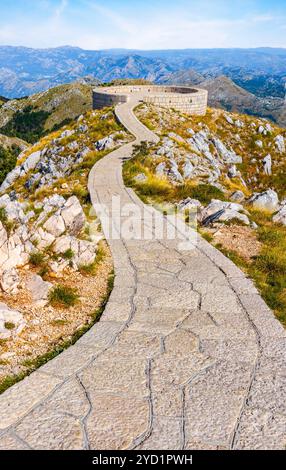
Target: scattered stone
188, 169
267, 165
39, 289
73, 215
10, 317
161, 169
55, 225
237, 196
141, 177
67, 133
259, 143
189, 204
228, 156
267, 200
104, 144
280, 217
228, 119
223, 211
176, 137
280, 143
10, 281
232, 171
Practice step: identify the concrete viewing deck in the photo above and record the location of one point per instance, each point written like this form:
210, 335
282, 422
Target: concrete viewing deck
186, 355
185, 99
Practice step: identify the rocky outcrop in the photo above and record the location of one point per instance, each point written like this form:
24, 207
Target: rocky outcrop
220, 211
39, 290
29, 164
267, 200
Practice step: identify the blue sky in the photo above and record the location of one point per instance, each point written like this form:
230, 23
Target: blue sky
143, 24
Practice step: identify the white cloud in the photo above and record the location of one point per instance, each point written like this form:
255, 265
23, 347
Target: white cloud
92, 25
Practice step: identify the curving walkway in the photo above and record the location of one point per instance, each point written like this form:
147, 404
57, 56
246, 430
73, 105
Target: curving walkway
186, 355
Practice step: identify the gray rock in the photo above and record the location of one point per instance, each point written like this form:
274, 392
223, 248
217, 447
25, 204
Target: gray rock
55, 225
43, 239
39, 290
280, 217
267, 165
226, 211
73, 215
161, 169
31, 162
237, 196
176, 137
105, 144
228, 156
232, 171
267, 200
228, 119
259, 143
280, 143
189, 204
188, 169
10, 281
174, 172
141, 177
10, 178
67, 133
7, 315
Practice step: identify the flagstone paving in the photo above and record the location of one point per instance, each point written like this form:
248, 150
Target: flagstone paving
186, 356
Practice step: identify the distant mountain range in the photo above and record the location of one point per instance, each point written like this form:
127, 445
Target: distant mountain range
24, 71
247, 80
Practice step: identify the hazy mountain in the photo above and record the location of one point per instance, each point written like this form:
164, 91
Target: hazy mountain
24, 71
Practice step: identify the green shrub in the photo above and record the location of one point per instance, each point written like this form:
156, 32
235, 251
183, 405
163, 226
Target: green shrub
69, 254
63, 296
37, 258
9, 325
8, 160
27, 124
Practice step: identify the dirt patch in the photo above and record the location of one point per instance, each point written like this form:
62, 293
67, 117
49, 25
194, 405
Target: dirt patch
48, 326
240, 239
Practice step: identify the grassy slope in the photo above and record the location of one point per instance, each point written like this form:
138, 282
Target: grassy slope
45, 111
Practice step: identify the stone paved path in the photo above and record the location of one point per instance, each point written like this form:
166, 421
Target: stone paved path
186, 355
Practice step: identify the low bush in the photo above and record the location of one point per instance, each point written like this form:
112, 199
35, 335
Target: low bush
63, 296
37, 258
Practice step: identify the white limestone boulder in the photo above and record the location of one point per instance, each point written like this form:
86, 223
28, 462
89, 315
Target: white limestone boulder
55, 225
280, 216
267, 200
73, 215
11, 322
10, 281
223, 211
280, 143
189, 204
39, 290
42, 239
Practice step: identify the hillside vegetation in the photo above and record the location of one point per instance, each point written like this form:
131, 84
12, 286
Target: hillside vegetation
35, 116
226, 174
